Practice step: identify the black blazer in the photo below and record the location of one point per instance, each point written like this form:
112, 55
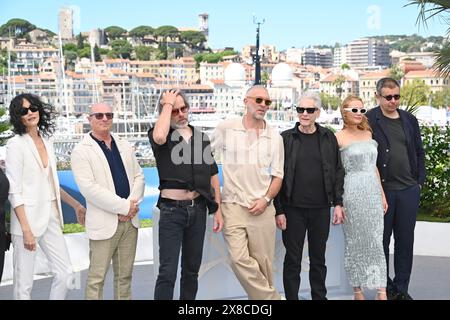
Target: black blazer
414, 145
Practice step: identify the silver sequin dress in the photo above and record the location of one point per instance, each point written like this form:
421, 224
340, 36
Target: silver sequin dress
364, 262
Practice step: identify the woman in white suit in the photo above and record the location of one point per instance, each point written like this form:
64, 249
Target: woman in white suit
35, 195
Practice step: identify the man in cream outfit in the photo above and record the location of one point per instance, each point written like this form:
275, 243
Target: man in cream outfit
111, 180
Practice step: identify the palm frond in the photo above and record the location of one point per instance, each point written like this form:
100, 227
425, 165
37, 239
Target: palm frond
442, 64
426, 12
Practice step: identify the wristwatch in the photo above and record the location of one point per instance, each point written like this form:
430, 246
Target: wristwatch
268, 200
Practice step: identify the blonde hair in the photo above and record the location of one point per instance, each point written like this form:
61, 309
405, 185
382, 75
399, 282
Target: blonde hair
364, 125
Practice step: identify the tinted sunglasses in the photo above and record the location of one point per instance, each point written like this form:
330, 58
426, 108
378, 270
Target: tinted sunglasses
182, 109
100, 115
356, 110
32, 108
301, 110
267, 102
390, 97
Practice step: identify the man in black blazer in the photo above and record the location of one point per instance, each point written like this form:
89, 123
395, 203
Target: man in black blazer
401, 163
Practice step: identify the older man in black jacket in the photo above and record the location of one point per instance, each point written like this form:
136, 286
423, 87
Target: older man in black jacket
401, 162
314, 179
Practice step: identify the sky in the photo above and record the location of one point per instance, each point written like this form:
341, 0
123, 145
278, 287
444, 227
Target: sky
288, 23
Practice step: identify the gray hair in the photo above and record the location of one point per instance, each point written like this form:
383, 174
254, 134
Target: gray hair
181, 94
313, 96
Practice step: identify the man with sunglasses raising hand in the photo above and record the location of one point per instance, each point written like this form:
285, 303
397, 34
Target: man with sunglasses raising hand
112, 182
314, 180
189, 189
401, 163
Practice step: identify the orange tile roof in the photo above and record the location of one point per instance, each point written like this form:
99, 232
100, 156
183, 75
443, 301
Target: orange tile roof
116, 60
429, 73
217, 81
375, 75
333, 77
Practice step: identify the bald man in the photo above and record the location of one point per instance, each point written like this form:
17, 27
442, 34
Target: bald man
112, 182
252, 165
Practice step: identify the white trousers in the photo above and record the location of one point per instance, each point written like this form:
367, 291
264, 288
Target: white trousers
54, 247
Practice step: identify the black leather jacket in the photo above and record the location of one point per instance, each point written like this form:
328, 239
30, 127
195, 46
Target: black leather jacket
333, 171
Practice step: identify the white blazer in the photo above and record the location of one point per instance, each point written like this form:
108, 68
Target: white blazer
29, 184
93, 176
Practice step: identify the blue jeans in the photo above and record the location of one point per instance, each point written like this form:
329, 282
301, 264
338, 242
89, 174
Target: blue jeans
180, 228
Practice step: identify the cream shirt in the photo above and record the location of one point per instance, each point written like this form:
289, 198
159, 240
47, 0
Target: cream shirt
248, 162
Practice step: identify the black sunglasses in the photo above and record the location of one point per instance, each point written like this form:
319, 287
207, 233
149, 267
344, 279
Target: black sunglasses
100, 115
301, 110
258, 100
32, 108
356, 110
390, 97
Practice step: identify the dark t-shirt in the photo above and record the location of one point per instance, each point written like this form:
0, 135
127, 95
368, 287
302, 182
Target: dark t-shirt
187, 165
399, 175
118, 172
309, 188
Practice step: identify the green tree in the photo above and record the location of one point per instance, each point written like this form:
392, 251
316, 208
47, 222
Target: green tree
4, 60
143, 53
396, 72
212, 57
414, 95
441, 99
70, 47
4, 126
429, 9
265, 78
97, 56
338, 82
192, 38
85, 52
80, 41
435, 195
16, 28
141, 31
71, 57
345, 66
162, 52
122, 48
329, 101
115, 32
167, 31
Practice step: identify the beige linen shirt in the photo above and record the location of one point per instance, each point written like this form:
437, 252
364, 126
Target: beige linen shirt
248, 161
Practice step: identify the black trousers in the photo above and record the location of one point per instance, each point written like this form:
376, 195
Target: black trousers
316, 222
401, 219
180, 228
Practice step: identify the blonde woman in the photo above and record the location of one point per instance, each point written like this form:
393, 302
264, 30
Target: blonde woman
364, 202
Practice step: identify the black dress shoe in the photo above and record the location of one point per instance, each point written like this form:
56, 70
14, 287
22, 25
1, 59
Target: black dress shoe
392, 294
403, 296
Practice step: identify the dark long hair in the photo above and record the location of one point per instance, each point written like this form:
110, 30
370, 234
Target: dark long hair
47, 115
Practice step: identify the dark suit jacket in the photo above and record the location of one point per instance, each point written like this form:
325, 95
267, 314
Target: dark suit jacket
416, 153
